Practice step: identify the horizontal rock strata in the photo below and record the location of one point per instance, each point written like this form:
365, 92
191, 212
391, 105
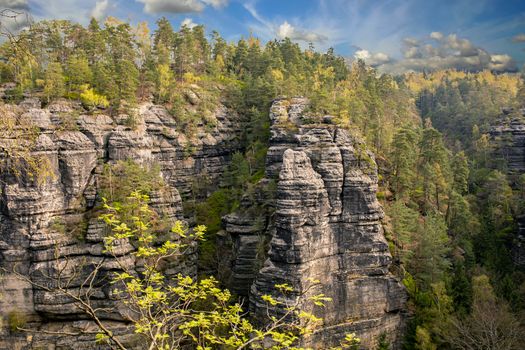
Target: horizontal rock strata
51, 229
328, 229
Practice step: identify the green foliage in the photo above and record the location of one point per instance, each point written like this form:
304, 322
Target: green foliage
452, 212
75, 226
456, 101
169, 313
16, 320
404, 158
54, 81
18, 139
210, 213
118, 180
91, 100
383, 343
68, 121
406, 223
491, 325
58, 224
430, 258
218, 204
78, 74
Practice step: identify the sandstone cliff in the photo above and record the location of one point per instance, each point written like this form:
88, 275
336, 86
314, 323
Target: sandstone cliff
50, 229
326, 227
509, 136
321, 219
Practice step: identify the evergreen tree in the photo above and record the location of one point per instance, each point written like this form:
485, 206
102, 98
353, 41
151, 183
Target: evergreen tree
54, 85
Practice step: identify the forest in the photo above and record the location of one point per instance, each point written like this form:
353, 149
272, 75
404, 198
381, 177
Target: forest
452, 204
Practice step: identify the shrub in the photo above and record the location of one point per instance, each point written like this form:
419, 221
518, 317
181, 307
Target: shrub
16, 320
91, 100
120, 179
58, 225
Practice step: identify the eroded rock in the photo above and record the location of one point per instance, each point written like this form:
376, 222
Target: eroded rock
51, 228
326, 227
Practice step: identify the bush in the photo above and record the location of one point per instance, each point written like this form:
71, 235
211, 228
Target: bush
120, 179
16, 320
91, 100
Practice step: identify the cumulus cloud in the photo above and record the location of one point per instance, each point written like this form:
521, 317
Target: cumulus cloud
520, 38
501, 62
286, 30
20, 5
436, 36
100, 9
180, 6
440, 51
188, 22
15, 15
372, 59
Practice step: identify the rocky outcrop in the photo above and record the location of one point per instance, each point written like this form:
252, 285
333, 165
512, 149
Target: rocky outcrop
248, 234
326, 227
508, 134
51, 228
315, 217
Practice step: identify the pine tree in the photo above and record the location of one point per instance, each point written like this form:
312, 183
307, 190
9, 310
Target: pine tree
54, 81
78, 73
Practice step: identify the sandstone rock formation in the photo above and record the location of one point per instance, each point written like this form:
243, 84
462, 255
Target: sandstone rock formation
49, 229
509, 136
321, 219
326, 227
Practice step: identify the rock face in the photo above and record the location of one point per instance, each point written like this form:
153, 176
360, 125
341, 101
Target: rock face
509, 136
321, 222
326, 227
50, 229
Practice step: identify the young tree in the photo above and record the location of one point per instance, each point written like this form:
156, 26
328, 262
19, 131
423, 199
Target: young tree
54, 81
78, 73
491, 325
404, 158
430, 261
433, 167
169, 313
164, 82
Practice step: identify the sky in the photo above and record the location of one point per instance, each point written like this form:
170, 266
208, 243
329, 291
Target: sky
392, 35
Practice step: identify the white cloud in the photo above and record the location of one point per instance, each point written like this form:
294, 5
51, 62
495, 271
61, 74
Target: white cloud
174, 6
412, 52
441, 52
188, 22
312, 29
462, 47
15, 15
17, 5
286, 30
436, 36
100, 9
180, 6
74, 10
372, 59
501, 62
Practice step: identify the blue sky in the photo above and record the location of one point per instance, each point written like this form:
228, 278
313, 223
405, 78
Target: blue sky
394, 35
